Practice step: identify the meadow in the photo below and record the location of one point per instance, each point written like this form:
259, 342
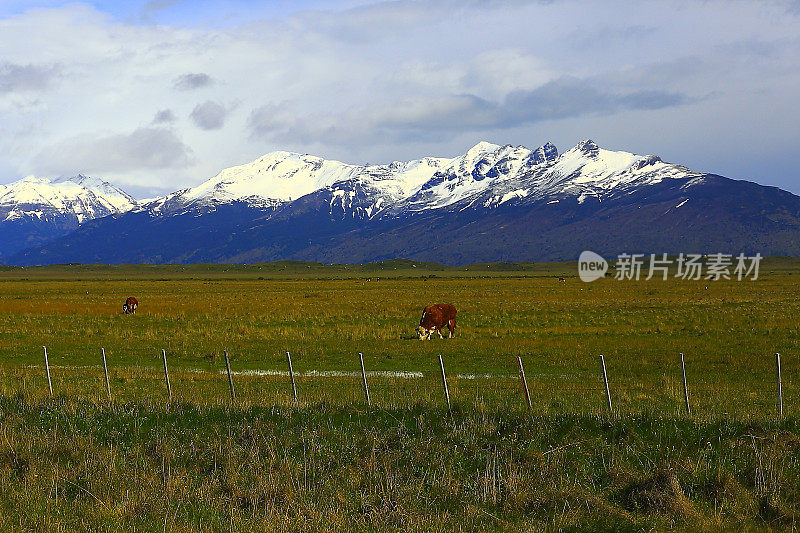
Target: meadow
329, 461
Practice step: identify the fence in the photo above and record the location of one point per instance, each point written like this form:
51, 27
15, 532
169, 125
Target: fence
606, 391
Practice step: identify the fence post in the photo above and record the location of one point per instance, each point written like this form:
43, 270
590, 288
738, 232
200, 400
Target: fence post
780, 387
291, 375
166, 374
47, 368
524, 382
605, 380
105, 371
364, 378
685, 387
230, 378
444, 382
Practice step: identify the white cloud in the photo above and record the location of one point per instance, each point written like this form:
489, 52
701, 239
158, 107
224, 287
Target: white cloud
394, 80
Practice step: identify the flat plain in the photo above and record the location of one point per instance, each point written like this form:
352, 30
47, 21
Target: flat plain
329, 460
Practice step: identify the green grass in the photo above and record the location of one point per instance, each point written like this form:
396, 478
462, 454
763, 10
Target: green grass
729, 331
75, 466
330, 462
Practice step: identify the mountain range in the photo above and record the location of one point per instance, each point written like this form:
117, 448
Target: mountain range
492, 203
34, 211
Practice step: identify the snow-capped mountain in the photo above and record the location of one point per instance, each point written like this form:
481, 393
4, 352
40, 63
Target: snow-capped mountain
359, 191
491, 203
489, 176
281, 177
81, 197
486, 176
483, 168
35, 210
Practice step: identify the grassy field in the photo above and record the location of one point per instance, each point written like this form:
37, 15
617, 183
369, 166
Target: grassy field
72, 466
330, 461
324, 316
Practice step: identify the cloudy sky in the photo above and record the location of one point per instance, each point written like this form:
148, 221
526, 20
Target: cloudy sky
162, 94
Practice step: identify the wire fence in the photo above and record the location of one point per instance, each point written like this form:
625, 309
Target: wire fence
675, 393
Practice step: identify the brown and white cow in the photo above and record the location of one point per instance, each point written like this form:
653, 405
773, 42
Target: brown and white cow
434, 318
130, 305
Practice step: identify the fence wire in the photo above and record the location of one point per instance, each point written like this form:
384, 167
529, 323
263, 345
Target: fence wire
754, 395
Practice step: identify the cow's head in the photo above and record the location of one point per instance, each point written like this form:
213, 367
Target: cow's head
423, 333
125, 308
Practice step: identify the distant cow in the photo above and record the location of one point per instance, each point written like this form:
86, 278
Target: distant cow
130, 305
434, 318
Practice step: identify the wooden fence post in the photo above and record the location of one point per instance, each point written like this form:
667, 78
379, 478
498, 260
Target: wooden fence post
47, 368
444, 382
605, 380
780, 387
291, 375
685, 387
166, 374
364, 378
524, 382
230, 377
105, 371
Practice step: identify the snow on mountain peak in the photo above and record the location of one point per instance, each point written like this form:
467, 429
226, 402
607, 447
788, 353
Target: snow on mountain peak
484, 167
85, 181
279, 177
491, 178
273, 178
30, 179
80, 197
546, 152
481, 148
485, 177
592, 160
587, 170
500, 173
588, 147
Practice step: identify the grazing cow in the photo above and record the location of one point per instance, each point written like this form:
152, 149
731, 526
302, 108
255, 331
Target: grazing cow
434, 318
562, 279
130, 305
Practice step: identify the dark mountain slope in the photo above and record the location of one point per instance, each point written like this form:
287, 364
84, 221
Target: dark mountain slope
708, 215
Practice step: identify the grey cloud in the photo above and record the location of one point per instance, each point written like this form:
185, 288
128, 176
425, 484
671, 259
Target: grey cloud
268, 120
651, 100
14, 77
446, 117
572, 97
583, 38
209, 115
661, 74
756, 47
144, 148
165, 116
191, 81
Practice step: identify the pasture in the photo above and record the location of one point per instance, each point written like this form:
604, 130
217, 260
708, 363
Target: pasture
328, 460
